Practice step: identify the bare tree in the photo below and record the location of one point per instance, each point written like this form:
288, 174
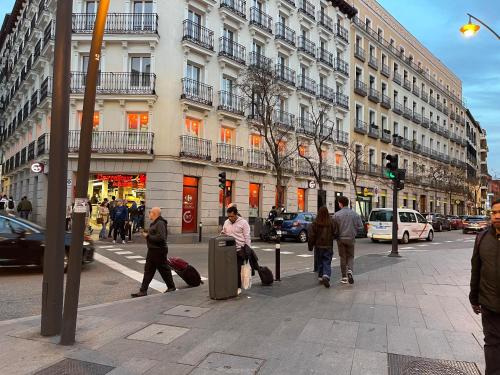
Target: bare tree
436, 177
354, 156
452, 181
319, 129
263, 92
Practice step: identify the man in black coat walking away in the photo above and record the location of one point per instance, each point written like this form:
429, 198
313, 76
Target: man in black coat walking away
156, 258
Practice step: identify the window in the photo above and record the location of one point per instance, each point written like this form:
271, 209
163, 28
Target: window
338, 159
140, 69
143, 10
95, 121
226, 135
91, 7
421, 219
253, 200
255, 142
301, 200
193, 127
137, 121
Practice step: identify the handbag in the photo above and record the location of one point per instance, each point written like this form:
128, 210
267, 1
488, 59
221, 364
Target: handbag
246, 276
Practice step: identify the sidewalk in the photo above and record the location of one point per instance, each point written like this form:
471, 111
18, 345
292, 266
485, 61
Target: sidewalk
397, 310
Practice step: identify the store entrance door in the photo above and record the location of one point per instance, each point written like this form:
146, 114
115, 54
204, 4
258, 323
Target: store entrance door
423, 204
190, 205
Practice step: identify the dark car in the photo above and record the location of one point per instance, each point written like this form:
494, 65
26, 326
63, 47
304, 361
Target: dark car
23, 242
475, 224
439, 222
296, 224
455, 221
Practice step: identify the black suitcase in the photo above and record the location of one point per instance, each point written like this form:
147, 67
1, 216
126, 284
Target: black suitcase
190, 275
266, 276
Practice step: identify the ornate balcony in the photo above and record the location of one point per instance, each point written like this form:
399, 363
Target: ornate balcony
417, 118
232, 50
284, 120
397, 108
360, 127
372, 62
425, 96
259, 61
325, 21
374, 95
342, 100
115, 142
307, 46
396, 77
385, 70
229, 154
326, 93
341, 66
285, 34
261, 20
307, 8
360, 88
257, 159
195, 148
109, 83
231, 103
385, 102
325, 57
341, 33
407, 84
407, 114
196, 91
307, 85
373, 131
285, 74
416, 90
198, 35
117, 23
425, 122
306, 126
236, 7
386, 136
359, 52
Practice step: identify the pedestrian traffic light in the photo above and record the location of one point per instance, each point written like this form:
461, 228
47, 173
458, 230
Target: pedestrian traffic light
391, 166
400, 181
222, 180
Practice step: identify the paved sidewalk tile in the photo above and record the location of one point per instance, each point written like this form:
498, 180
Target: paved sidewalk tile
402, 340
433, 344
372, 337
367, 362
411, 317
385, 298
384, 314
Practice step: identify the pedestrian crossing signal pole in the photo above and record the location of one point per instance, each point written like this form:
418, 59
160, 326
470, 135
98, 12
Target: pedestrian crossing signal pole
278, 255
222, 185
392, 173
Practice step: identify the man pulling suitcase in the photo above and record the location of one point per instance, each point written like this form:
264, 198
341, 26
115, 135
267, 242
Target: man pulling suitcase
156, 258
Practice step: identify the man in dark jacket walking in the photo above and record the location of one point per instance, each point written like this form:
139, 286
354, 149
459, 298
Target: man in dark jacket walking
156, 258
119, 219
349, 223
485, 288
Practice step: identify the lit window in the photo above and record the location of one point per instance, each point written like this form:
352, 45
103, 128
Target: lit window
138, 121
226, 135
193, 127
338, 159
302, 150
255, 141
95, 121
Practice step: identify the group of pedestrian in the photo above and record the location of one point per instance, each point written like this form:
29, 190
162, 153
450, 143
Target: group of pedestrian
23, 208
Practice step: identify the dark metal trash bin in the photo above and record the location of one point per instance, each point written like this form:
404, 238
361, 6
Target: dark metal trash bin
222, 268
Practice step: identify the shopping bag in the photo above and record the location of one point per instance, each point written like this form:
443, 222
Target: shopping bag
246, 276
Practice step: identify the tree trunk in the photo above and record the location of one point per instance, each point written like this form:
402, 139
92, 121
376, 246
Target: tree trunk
321, 198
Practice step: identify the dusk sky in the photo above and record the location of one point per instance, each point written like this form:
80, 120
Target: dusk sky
475, 61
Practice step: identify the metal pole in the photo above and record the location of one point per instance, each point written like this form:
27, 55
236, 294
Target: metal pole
53, 260
278, 255
200, 231
485, 25
394, 251
75, 256
223, 212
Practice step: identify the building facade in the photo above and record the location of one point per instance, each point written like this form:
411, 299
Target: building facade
405, 101
169, 117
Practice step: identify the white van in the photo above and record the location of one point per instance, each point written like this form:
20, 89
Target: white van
411, 225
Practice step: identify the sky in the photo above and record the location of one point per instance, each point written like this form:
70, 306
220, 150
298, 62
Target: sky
476, 61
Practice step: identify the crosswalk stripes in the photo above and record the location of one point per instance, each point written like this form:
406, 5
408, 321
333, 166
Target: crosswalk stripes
287, 252
105, 247
126, 252
305, 255
134, 257
143, 261
114, 249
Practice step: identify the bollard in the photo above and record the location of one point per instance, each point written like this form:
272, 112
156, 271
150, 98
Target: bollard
200, 231
277, 253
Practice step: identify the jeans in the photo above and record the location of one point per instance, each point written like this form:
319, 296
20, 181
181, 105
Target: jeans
491, 329
24, 214
119, 226
103, 232
346, 254
325, 262
156, 259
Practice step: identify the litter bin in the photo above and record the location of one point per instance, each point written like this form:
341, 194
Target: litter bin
222, 268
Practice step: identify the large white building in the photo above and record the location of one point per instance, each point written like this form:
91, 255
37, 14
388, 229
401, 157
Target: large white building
168, 115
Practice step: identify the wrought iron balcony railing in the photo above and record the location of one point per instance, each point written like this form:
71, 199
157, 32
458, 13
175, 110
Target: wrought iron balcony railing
307, 46
374, 95
118, 23
257, 159
341, 66
306, 126
196, 148
307, 84
342, 33
259, 61
373, 62
359, 52
397, 108
285, 74
236, 6
325, 20
115, 142
307, 8
231, 103
229, 154
360, 127
385, 70
385, 101
326, 93
283, 119
325, 57
197, 91
360, 87
232, 50
198, 34
285, 33
342, 100
116, 83
396, 77
261, 20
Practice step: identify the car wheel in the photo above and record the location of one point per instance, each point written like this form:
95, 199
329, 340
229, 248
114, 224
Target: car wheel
406, 238
430, 236
374, 240
302, 237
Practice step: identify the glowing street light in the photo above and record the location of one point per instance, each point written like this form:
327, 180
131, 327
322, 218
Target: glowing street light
470, 29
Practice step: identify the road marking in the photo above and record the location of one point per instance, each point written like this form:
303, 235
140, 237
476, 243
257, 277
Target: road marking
407, 248
422, 245
267, 249
305, 255
256, 247
105, 247
448, 241
437, 243
134, 275
134, 257
123, 252
114, 249
286, 252
141, 261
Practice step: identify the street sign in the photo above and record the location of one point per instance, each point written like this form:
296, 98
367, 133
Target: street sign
312, 184
37, 167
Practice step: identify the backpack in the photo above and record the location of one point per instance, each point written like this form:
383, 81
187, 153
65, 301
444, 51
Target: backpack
11, 205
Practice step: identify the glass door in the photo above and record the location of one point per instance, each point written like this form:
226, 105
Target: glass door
137, 131
140, 69
143, 15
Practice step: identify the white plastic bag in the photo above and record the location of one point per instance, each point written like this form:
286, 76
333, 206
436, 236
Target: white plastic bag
246, 276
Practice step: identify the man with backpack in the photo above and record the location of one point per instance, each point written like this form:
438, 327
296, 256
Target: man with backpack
484, 293
11, 205
156, 259
3, 203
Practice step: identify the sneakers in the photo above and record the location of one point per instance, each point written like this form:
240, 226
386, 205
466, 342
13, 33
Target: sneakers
239, 291
326, 281
123, 242
320, 279
114, 241
140, 294
349, 277
343, 280
170, 290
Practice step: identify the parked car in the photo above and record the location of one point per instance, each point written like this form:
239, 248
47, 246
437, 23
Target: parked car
23, 242
439, 222
475, 224
455, 221
296, 225
411, 225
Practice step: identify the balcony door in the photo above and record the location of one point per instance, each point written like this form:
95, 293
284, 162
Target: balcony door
140, 70
193, 79
227, 95
137, 131
90, 8
194, 25
82, 80
143, 15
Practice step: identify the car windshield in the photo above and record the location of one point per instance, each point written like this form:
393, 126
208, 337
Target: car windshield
29, 223
381, 216
289, 216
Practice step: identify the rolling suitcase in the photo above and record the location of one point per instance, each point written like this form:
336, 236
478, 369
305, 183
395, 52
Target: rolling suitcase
266, 275
185, 271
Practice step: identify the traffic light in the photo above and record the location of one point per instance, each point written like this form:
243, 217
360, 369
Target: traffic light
222, 180
400, 179
391, 166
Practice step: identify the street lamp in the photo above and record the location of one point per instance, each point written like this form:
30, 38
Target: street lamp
470, 29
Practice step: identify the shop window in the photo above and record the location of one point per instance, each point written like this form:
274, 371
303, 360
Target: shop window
227, 198
138, 121
254, 200
301, 199
193, 127
226, 135
95, 121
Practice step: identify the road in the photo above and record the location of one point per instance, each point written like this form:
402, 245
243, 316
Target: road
118, 269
